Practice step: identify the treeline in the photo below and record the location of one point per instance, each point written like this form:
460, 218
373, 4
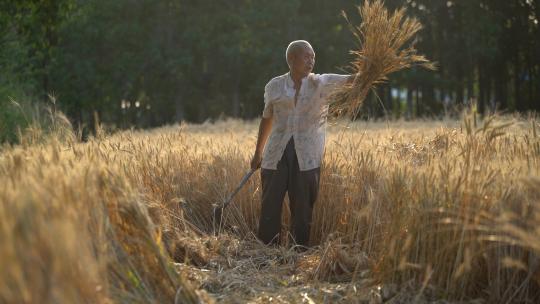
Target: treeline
152, 62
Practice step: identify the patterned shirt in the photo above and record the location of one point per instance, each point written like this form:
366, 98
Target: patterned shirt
305, 122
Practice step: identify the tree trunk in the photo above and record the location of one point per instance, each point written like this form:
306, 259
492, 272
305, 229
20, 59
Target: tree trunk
501, 87
482, 87
537, 95
470, 87
489, 95
179, 109
460, 88
418, 102
409, 113
235, 109
530, 78
428, 97
388, 101
236, 103
517, 83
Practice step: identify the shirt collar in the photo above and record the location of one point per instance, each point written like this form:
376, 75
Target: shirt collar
290, 82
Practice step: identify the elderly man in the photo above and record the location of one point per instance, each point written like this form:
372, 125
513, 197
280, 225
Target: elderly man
294, 122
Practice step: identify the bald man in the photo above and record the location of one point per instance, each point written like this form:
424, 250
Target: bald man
290, 143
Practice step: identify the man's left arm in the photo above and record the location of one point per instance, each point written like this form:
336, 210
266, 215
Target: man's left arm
337, 80
333, 82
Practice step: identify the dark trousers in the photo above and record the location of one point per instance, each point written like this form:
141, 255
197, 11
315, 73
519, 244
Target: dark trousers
302, 188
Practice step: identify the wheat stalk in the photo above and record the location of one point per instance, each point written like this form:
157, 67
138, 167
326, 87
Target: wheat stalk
383, 38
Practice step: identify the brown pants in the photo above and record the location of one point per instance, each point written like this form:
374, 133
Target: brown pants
302, 188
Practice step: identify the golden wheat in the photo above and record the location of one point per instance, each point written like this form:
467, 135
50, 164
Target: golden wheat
382, 37
436, 209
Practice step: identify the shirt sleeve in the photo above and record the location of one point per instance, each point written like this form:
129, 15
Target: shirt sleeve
331, 83
268, 111
269, 96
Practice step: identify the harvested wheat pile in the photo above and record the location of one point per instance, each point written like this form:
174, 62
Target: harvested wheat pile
335, 262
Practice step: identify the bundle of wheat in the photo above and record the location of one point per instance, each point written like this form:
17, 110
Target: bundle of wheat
382, 37
334, 262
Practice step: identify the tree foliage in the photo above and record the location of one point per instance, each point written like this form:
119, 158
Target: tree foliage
151, 62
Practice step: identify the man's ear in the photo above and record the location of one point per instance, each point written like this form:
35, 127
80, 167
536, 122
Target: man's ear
290, 59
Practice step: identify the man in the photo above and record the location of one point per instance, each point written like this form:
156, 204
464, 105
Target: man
294, 122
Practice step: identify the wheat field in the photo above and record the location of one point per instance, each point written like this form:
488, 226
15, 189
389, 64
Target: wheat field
408, 212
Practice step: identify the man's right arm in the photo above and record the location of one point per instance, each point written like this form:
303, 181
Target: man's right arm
264, 131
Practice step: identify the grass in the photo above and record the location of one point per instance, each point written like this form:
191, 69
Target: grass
410, 211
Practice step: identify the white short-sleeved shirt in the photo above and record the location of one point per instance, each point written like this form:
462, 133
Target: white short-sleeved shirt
305, 122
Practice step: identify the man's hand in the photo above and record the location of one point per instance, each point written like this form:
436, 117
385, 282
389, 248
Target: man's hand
352, 78
256, 161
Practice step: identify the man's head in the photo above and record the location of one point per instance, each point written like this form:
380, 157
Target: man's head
300, 57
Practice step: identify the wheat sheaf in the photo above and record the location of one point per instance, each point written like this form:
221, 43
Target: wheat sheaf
386, 45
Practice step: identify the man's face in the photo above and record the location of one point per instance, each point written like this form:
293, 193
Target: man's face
303, 61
